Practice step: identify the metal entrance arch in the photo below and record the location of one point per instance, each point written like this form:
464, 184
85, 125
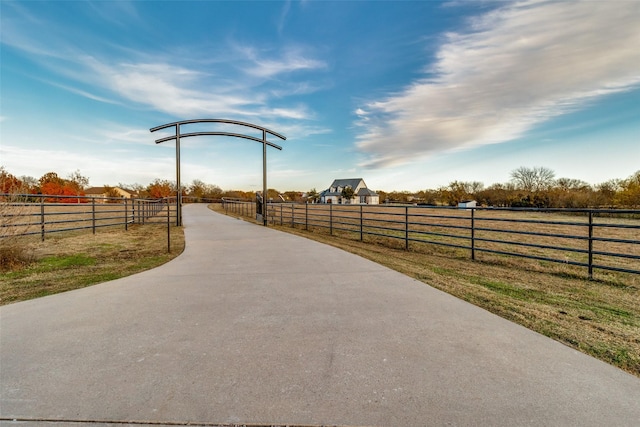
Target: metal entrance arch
179, 135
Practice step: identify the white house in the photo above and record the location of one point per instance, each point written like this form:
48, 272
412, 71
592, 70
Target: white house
361, 194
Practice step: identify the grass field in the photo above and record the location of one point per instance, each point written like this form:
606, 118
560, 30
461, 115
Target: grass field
72, 260
598, 317
565, 237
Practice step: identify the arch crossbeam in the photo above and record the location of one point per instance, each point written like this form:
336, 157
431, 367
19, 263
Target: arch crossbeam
179, 135
236, 135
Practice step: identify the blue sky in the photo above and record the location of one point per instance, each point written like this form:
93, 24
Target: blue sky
408, 95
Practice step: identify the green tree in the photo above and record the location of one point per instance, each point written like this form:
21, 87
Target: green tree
313, 196
347, 193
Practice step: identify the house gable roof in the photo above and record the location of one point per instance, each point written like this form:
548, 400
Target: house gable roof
366, 192
351, 182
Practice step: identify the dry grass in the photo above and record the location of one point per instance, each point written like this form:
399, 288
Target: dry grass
451, 226
598, 317
73, 260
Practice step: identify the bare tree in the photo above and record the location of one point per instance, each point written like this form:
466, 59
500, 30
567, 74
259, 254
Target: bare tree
78, 180
533, 179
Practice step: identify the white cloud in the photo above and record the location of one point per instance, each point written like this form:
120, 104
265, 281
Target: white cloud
516, 67
291, 59
99, 167
155, 81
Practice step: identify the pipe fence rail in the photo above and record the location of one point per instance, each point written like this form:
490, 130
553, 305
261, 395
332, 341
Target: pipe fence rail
596, 239
240, 207
39, 214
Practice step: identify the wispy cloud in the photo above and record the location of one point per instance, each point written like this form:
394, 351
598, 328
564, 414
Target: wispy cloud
515, 67
155, 81
267, 64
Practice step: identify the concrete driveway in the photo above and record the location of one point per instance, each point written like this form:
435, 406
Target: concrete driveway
253, 326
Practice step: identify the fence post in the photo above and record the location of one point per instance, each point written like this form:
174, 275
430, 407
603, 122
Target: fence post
293, 216
406, 227
168, 227
280, 213
93, 214
126, 215
590, 244
331, 218
306, 216
361, 223
473, 234
42, 218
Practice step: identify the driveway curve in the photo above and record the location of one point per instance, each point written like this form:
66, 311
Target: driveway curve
253, 326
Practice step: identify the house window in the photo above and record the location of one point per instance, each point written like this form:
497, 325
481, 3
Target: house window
363, 199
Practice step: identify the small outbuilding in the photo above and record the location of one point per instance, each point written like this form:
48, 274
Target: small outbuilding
467, 204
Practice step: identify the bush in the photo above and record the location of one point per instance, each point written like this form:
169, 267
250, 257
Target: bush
13, 254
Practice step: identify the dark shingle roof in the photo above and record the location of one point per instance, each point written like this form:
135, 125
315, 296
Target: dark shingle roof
366, 192
351, 182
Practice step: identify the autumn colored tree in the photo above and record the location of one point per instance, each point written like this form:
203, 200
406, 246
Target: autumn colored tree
160, 188
197, 189
293, 196
111, 192
273, 194
605, 193
52, 184
629, 194
51, 178
9, 183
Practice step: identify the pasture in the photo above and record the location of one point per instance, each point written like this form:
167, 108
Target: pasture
47, 247
599, 316
599, 241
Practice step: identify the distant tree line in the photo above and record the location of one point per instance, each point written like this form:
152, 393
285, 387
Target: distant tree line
528, 187
75, 185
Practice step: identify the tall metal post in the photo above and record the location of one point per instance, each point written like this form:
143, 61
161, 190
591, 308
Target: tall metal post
179, 189
264, 178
